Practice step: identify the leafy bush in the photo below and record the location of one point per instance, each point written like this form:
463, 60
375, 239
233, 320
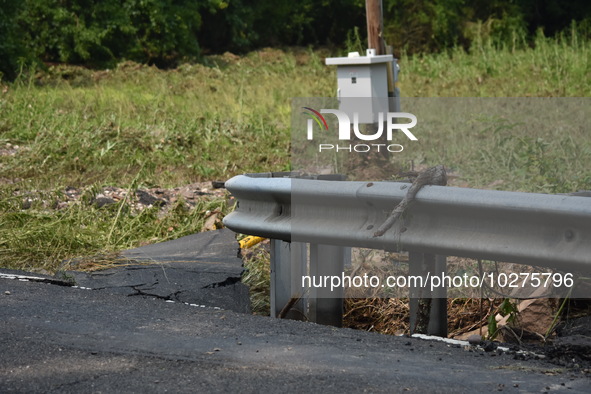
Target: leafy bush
423, 26
100, 33
433, 25
242, 25
11, 52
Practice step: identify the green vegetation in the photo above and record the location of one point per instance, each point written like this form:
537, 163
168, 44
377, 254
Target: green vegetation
41, 237
76, 127
102, 33
138, 126
550, 67
98, 33
257, 277
507, 308
83, 105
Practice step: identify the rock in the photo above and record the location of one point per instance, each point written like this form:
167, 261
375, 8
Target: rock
580, 326
61, 205
536, 315
489, 346
146, 198
572, 349
100, 202
212, 222
474, 333
165, 199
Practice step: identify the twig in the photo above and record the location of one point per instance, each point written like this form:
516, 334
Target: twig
292, 301
431, 176
556, 317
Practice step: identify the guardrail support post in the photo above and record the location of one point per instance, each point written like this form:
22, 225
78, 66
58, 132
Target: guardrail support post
438, 317
419, 265
288, 264
326, 306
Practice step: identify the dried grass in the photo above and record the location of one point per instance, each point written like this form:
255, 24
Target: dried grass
391, 315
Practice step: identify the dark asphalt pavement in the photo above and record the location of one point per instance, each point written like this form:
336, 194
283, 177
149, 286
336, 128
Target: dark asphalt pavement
202, 268
171, 323
62, 339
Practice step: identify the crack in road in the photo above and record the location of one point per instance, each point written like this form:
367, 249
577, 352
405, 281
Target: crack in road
142, 292
230, 281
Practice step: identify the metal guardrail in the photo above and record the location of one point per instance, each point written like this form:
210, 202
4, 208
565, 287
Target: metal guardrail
538, 229
535, 229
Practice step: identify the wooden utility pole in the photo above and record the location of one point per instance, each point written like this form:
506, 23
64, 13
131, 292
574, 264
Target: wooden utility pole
375, 40
375, 35
375, 26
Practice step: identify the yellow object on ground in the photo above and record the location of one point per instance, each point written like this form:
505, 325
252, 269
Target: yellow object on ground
250, 241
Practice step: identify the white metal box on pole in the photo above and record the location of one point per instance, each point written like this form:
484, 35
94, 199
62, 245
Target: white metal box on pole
362, 84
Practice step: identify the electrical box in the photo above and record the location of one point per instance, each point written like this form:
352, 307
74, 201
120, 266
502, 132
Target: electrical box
362, 84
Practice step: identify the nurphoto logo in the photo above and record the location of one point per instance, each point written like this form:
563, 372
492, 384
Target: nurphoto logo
345, 128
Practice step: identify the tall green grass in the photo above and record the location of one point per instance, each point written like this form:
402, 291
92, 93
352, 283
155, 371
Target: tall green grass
198, 122
549, 67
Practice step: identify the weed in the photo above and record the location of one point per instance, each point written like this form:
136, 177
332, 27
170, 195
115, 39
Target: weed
507, 308
41, 237
257, 277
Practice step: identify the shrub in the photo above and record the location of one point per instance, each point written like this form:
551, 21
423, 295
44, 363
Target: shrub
98, 32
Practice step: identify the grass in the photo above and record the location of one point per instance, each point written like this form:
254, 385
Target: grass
551, 67
257, 277
170, 126
42, 237
521, 144
137, 126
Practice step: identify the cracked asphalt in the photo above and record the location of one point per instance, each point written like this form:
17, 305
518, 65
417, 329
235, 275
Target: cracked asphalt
202, 269
57, 338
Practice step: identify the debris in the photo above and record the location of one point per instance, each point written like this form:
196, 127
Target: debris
100, 202
249, 241
141, 199
535, 317
148, 199
431, 176
212, 222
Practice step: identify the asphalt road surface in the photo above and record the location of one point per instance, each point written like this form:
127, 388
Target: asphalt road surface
173, 323
62, 339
